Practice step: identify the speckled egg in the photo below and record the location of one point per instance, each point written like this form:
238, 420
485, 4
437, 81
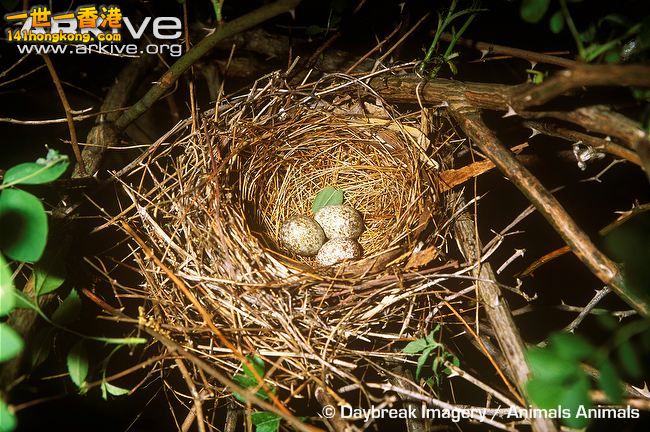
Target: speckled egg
340, 221
302, 235
336, 250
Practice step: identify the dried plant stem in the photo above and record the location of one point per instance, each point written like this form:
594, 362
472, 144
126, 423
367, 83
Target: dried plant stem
198, 404
531, 56
604, 145
497, 310
248, 394
486, 352
600, 294
605, 269
68, 112
205, 315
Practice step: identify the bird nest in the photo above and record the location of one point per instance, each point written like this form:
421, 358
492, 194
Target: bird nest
203, 215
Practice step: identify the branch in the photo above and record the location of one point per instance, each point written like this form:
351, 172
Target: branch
499, 97
597, 143
583, 76
68, 112
606, 270
601, 119
199, 50
531, 56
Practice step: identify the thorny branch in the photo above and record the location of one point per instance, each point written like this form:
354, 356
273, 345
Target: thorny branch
605, 269
467, 99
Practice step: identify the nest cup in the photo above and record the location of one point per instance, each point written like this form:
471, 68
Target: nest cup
209, 207
283, 159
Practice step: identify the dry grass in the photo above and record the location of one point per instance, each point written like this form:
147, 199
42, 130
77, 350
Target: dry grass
209, 205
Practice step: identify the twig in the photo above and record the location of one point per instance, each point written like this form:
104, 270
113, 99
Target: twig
402, 377
531, 56
600, 265
544, 259
68, 112
399, 42
480, 384
600, 294
597, 143
486, 352
199, 50
471, 412
583, 76
374, 49
198, 404
336, 421
518, 253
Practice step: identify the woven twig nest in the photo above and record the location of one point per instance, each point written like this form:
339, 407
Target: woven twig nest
209, 206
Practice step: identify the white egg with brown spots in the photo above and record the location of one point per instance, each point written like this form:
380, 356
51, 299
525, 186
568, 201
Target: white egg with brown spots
338, 250
302, 235
340, 221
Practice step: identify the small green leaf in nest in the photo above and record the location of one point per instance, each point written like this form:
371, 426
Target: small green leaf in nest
327, 196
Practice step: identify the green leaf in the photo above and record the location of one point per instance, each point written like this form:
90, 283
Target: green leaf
43, 171
556, 23
615, 20
573, 397
78, 364
108, 388
547, 365
422, 361
40, 346
7, 418
50, 271
69, 310
10, 343
23, 225
257, 363
570, 346
23, 301
629, 359
610, 383
588, 35
248, 380
606, 321
7, 289
542, 393
415, 346
327, 196
266, 421
612, 56
533, 10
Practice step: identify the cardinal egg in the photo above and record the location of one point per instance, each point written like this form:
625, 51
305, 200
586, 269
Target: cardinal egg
337, 250
340, 221
302, 235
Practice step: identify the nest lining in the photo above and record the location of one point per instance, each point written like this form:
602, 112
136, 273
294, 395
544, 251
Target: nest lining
210, 204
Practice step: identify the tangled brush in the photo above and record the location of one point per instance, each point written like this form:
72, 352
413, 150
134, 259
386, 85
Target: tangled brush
207, 208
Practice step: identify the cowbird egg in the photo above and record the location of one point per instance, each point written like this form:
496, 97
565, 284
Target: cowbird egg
336, 250
302, 235
340, 221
